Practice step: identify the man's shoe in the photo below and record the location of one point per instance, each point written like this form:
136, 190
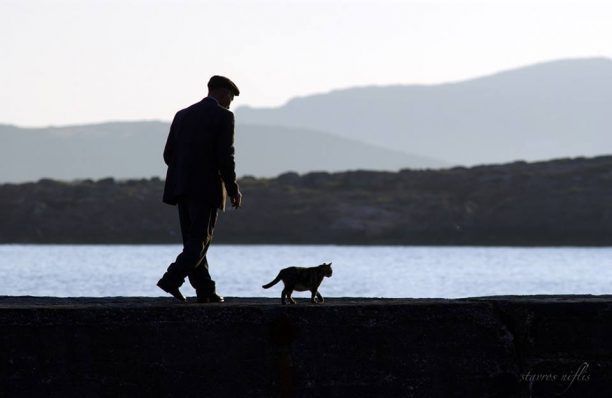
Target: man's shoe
174, 291
213, 298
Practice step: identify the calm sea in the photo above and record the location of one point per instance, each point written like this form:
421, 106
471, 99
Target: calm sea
373, 271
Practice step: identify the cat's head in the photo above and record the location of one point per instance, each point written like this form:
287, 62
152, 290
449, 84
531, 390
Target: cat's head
327, 269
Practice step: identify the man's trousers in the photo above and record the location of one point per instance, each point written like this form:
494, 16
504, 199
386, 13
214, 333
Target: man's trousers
197, 220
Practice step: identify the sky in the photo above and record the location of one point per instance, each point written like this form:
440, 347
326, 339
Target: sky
71, 62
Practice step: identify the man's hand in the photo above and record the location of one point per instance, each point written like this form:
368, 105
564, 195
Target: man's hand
236, 200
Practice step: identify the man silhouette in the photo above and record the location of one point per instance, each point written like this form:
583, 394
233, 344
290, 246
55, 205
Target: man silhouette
201, 173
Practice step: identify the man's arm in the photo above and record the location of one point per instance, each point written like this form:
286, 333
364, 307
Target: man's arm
225, 158
169, 148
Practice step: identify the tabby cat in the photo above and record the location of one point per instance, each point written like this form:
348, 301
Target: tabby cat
302, 279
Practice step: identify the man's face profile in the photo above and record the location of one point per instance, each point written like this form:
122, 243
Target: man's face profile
226, 99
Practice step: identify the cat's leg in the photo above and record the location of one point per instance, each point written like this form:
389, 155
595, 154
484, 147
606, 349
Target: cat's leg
291, 300
283, 295
320, 298
313, 293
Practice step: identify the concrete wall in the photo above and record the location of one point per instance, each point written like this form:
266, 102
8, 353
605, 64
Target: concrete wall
482, 347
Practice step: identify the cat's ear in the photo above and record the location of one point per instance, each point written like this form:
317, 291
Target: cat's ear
329, 264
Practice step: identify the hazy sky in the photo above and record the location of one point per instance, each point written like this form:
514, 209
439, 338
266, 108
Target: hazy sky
65, 62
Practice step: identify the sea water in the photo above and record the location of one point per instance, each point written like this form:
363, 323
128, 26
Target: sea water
364, 271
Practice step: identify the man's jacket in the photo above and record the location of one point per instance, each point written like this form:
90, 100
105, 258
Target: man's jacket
199, 153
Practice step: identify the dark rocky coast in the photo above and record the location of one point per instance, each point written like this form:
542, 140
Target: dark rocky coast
505, 346
558, 202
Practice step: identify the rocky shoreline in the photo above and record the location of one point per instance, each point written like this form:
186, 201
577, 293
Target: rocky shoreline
557, 202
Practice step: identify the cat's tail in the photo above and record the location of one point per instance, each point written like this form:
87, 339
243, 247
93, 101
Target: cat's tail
274, 282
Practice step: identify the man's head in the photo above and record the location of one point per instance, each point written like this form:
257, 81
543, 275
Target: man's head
223, 89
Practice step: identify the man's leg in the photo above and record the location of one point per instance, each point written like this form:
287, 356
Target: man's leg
199, 277
197, 222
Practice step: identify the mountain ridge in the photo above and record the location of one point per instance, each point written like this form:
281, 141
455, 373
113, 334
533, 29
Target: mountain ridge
133, 150
484, 77
542, 111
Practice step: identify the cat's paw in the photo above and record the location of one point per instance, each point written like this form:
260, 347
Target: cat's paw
292, 301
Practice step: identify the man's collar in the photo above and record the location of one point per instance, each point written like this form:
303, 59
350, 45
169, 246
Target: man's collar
214, 99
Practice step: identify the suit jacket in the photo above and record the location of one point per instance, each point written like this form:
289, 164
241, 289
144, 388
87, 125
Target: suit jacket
199, 153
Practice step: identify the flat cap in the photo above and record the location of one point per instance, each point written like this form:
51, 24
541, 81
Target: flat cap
223, 82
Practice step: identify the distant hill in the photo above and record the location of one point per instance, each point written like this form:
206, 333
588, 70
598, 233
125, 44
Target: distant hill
133, 150
560, 202
548, 110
